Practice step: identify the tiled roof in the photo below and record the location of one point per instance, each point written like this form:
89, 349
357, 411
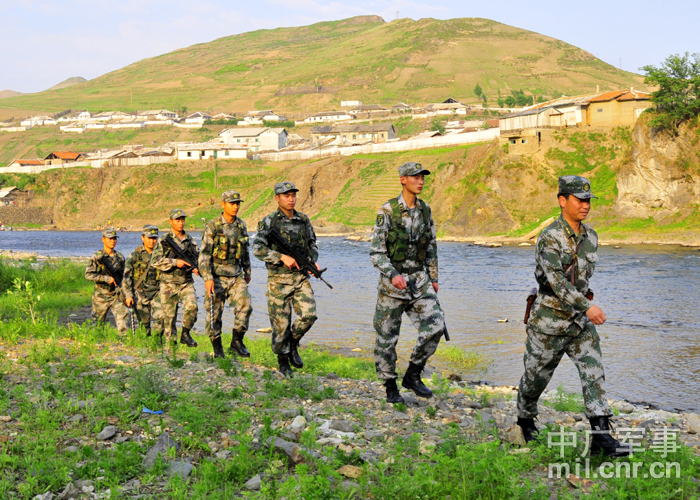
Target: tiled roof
66, 155
37, 161
622, 95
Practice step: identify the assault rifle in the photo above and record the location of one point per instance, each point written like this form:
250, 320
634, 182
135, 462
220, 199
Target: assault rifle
182, 255
305, 262
118, 277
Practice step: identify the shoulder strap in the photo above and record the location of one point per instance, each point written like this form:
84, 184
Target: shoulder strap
426, 212
145, 273
396, 211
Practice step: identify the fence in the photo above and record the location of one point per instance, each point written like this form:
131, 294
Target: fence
100, 163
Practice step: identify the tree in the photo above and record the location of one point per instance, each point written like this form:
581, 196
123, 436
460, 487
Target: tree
678, 98
478, 91
438, 126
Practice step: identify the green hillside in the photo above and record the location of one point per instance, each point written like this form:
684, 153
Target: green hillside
315, 67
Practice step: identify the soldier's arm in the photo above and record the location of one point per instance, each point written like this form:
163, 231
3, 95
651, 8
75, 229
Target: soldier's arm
92, 273
261, 247
549, 258
378, 253
159, 260
245, 261
206, 268
311, 238
128, 282
431, 256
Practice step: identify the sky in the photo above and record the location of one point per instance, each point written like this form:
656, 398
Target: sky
44, 42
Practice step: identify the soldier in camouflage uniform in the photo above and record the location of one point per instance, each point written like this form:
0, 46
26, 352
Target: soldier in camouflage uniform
224, 264
287, 286
107, 296
404, 251
176, 282
563, 317
142, 282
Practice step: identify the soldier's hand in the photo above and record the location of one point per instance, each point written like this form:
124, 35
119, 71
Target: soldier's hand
289, 262
318, 267
129, 302
111, 281
209, 287
398, 282
435, 287
196, 271
181, 263
596, 315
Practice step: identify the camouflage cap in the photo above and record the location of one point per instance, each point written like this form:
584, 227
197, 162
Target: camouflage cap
285, 187
231, 197
576, 185
150, 231
109, 233
412, 168
177, 213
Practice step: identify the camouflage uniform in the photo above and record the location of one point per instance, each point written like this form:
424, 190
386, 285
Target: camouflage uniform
176, 284
147, 295
225, 260
107, 297
417, 262
287, 288
558, 323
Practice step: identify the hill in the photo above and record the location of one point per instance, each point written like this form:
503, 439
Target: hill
315, 67
4, 94
74, 80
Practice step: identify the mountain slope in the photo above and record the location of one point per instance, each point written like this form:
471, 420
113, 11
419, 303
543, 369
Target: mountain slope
314, 67
69, 82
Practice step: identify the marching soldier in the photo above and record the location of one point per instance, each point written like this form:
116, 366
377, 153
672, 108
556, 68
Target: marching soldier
142, 282
176, 282
107, 295
224, 264
564, 317
404, 251
287, 285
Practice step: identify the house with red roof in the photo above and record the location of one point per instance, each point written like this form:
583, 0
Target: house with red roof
60, 157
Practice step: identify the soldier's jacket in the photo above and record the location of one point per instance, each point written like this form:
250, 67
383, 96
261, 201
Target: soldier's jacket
224, 249
165, 260
97, 272
560, 305
136, 266
405, 245
297, 230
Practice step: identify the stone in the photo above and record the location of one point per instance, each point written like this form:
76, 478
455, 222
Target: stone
70, 449
223, 454
341, 425
107, 433
332, 376
125, 359
427, 447
260, 394
180, 468
450, 419
133, 484
298, 425
648, 424
369, 457
294, 412
164, 443
329, 441
514, 435
70, 492
627, 408
77, 418
81, 404
293, 451
474, 405
46, 496
693, 420
350, 471
81, 484
254, 483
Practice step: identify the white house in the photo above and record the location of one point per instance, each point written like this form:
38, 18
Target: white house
133, 123
256, 139
73, 127
106, 116
38, 120
350, 104
329, 116
157, 114
198, 117
223, 116
257, 117
211, 150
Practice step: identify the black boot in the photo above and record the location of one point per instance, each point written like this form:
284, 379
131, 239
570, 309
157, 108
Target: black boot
186, 339
392, 392
527, 425
294, 357
603, 442
285, 369
411, 380
237, 346
218, 348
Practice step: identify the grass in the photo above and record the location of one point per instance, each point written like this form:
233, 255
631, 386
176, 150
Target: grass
461, 359
564, 401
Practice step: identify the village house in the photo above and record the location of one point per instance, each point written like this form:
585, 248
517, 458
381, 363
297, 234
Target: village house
447, 108
360, 132
223, 116
107, 116
368, 110
35, 121
329, 116
401, 107
75, 128
12, 195
130, 123
74, 117
198, 117
256, 139
211, 150
350, 104
26, 162
257, 117
621, 107
61, 157
157, 115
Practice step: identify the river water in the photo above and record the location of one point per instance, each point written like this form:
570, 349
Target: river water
650, 294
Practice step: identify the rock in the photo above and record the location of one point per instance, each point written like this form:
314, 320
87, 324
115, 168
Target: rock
223, 454
260, 394
335, 442
70, 492
647, 424
442, 405
84, 484
298, 425
693, 420
121, 439
514, 435
125, 359
369, 457
180, 468
350, 471
164, 443
77, 418
133, 484
254, 483
107, 433
475, 405
427, 447
294, 412
374, 435
46, 496
450, 419
81, 404
293, 451
332, 376
70, 449
627, 408
341, 425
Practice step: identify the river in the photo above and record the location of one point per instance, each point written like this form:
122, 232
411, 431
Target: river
650, 294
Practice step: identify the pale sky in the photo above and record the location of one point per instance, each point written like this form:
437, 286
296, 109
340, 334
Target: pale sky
46, 41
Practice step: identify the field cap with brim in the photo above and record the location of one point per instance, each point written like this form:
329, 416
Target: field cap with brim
285, 187
412, 168
576, 185
150, 231
231, 197
109, 233
177, 213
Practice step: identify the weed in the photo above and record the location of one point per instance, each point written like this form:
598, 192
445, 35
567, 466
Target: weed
564, 401
462, 359
150, 387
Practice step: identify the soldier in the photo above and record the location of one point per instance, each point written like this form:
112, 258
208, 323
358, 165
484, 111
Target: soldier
287, 285
224, 264
142, 282
176, 282
563, 316
404, 251
107, 295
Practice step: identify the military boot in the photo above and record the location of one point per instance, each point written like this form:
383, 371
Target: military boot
218, 348
294, 357
186, 339
411, 380
527, 425
285, 369
603, 442
392, 392
237, 346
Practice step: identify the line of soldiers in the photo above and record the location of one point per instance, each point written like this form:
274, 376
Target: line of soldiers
156, 279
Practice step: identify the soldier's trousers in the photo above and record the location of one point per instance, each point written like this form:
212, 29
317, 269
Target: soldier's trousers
284, 292
543, 354
170, 295
235, 290
149, 311
102, 302
426, 315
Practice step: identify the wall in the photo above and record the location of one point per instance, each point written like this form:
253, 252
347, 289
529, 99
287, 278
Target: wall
113, 162
12, 216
